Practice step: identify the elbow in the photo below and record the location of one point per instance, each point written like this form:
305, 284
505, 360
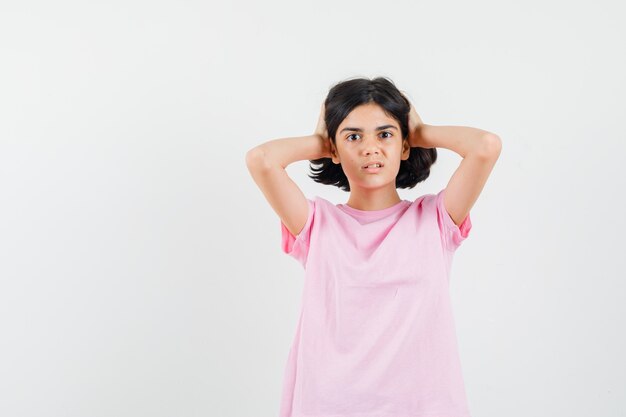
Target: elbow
255, 158
492, 146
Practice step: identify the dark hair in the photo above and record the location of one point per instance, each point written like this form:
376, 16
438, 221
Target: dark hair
342, 98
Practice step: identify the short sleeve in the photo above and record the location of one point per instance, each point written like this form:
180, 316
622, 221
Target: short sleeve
298, 246
452, 234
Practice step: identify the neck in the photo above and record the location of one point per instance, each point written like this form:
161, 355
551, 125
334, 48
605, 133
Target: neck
373, 199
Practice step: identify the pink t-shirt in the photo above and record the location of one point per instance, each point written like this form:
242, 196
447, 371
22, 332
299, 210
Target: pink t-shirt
376, 334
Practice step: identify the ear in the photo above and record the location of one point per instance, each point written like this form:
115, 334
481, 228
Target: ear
406, 149
334, 154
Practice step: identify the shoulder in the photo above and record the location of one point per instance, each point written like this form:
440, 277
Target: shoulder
425, 201
321, 204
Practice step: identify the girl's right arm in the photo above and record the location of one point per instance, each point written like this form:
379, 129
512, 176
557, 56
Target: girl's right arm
282, 152
267, 163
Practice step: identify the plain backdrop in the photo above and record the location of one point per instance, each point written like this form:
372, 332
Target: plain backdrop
140, 266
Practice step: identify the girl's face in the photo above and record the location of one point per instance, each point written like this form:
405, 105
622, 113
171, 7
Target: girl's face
368, 134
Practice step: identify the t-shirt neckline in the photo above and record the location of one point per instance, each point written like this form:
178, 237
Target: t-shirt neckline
373, 213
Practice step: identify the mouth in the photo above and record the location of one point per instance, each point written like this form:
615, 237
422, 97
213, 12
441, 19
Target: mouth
373, 165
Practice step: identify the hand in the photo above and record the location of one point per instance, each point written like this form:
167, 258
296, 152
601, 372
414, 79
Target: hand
322, 132
415, 128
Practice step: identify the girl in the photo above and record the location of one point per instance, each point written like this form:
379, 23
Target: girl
376, 335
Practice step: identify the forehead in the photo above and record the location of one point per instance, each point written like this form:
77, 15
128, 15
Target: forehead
368, 116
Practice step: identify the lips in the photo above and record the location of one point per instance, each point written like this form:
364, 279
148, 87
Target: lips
370, 163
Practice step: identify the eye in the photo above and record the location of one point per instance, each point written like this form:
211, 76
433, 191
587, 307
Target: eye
356, 134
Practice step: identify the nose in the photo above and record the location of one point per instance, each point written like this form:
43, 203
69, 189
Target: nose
370, 146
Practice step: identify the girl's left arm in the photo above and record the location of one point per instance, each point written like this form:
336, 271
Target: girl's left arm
463, 140
460, 139
480, 150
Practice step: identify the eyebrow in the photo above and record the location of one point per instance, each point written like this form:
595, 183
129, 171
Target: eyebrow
356, 129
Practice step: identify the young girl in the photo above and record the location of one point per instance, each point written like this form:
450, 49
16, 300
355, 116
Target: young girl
376, 334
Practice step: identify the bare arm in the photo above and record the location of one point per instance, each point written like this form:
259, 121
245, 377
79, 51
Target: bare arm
267, 162
284, 151
480, 150
463, 140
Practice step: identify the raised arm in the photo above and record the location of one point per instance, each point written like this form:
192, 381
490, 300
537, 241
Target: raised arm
267, 163
480, 150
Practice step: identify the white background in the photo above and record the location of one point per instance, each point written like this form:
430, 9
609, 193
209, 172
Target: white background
140, 266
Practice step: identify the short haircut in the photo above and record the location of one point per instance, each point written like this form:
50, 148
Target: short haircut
342, 98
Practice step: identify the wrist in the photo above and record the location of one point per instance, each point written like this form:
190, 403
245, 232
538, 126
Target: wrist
417, 138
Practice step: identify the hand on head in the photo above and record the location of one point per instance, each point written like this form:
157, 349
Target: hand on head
322, 132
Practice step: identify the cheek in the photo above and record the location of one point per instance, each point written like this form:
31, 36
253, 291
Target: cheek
354, 166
